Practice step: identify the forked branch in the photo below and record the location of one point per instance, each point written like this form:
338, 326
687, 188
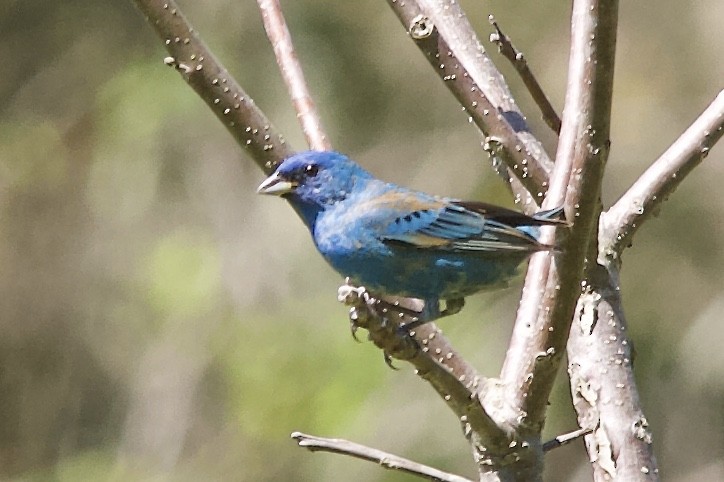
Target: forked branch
552, 284
435, 360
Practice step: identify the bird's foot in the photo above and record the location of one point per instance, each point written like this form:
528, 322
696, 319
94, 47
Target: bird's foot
358, 297
384, 320
432, 312
364, 305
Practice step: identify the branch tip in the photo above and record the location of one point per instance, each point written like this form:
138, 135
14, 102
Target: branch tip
565, 439
385, 459
517, 59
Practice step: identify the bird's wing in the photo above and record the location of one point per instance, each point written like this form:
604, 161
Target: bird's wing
405, 218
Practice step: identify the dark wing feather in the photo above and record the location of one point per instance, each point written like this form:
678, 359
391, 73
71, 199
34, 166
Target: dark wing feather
512, 218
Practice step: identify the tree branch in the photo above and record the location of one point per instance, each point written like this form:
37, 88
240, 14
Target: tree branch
517, 60
441, 30
625, 217
551, 287
553, 282
281, 40
455, 380
600, 353
386, 460
582, 153
212, 82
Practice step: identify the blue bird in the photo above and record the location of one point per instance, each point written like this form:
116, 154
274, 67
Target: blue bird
396, 241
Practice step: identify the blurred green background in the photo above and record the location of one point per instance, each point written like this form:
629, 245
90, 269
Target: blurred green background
159, 321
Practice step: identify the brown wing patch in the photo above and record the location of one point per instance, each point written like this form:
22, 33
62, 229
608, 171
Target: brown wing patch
403, 203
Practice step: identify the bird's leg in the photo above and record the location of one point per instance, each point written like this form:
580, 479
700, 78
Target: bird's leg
432, 312
452, 307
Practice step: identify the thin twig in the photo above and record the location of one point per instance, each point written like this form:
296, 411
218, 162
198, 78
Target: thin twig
281, 40
625, 217
386, 460
553, 282
517, 59
212, 82
442, 32
565, 439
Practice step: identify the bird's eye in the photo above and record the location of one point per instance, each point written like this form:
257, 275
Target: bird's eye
311, 170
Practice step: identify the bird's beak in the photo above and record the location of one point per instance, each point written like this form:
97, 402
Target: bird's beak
277, 185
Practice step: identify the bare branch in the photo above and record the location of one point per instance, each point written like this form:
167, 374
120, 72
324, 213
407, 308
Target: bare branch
213, 83
281, 40
625, 217
517, 59
621, 446
603, 386
553, 282
441, 30
386, 460
565, 439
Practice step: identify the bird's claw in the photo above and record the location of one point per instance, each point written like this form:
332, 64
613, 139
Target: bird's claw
358, 318
375, 315
353, 327
388, 360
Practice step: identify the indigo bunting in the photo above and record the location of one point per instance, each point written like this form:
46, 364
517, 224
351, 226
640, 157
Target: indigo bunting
396, 241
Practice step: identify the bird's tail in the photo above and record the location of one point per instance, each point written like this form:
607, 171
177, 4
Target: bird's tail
555, 216
552, 217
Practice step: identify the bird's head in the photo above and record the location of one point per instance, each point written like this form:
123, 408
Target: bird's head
314, 180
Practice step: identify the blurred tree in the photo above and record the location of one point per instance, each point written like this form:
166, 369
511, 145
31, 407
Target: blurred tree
111, 201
